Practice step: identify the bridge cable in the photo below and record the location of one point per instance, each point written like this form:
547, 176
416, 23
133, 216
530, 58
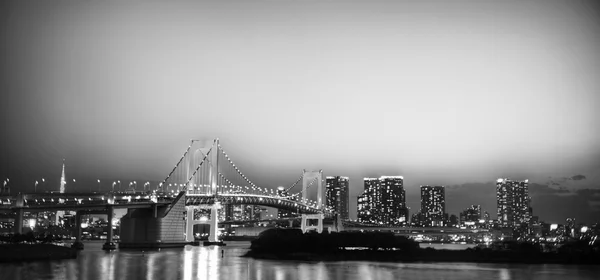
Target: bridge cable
179, 162
199, 165
294, 184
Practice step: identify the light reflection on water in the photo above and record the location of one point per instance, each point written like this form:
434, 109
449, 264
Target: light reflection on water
206, 263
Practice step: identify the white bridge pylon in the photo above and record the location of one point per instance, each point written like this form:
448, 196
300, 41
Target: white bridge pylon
313, 221
211, 164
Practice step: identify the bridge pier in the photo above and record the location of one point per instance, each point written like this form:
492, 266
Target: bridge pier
109, 245
213, 236
189, 224
77, 244
312, 222
18, 225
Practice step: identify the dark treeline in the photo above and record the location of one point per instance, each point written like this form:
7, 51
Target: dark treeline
29, 238
379, 246
293, 240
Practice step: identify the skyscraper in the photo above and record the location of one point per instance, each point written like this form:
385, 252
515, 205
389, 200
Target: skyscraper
393, 200
383, 201
433, 205
513, 202
337, 195
368, 202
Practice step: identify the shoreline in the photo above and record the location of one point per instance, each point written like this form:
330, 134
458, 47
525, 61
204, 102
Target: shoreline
430, 255
34, 252
292, 244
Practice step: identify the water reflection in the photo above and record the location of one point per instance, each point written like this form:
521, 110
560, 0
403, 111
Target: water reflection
212, 263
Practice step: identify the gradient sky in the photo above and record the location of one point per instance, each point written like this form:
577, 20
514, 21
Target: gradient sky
454, 93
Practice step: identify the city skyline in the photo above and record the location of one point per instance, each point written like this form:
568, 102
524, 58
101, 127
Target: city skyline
414, 203
455, 94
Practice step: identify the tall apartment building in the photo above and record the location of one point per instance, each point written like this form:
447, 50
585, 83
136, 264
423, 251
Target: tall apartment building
433, 206
337, 193
383, 201
514, 203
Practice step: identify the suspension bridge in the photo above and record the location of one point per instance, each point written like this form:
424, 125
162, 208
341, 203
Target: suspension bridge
206, 178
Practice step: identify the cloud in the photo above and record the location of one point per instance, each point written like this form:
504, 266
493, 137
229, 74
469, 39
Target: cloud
578, 177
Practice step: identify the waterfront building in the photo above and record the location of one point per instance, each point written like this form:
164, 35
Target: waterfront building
433, 206
416, 220
513, 202
251, 212
234, 212
368, 202
453, 221
471, 215
337, 194
383, 201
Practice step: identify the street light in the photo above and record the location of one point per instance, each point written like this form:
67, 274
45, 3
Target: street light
119, 182
98, 185
113, 186
35, 187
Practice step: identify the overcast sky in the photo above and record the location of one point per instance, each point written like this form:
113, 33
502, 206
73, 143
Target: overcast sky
441, 92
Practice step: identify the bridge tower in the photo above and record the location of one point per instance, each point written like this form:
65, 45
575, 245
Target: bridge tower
313, 221
212, 153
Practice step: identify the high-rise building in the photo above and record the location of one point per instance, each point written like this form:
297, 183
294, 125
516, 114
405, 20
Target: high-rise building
513, 202
368, 202
393, 200
383, 201
337, 195
433, 206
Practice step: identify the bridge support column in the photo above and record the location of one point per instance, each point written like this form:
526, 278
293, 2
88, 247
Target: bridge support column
339, 224
18, 225
213, 235
77, 244
189, 224
109, 245
312, 222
